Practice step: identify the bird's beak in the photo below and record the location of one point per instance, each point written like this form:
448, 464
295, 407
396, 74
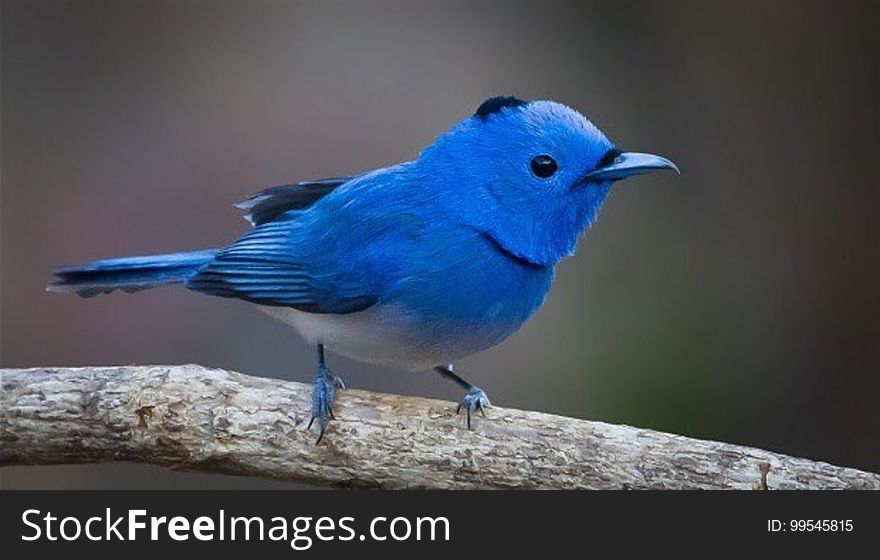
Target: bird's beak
627, 164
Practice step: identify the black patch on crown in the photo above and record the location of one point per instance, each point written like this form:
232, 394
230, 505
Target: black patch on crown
496, 104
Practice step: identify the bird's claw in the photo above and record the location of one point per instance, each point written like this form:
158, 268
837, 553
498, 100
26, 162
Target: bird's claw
323, 394
474, 400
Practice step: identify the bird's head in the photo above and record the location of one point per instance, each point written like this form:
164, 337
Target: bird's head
530, 175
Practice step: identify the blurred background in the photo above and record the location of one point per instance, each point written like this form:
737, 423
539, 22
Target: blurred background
738, 301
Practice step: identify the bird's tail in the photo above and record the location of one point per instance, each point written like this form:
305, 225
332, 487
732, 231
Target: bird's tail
130, 274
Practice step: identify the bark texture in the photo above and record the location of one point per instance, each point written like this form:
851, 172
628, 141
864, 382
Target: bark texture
193, 418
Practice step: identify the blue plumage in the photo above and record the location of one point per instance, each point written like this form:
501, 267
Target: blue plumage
417, 264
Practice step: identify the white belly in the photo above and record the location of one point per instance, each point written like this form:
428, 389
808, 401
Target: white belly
382, 335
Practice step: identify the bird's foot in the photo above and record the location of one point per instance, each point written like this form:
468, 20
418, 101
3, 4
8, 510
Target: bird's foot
323, 394
475, 400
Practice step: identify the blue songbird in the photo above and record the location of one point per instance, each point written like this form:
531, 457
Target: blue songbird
414, 265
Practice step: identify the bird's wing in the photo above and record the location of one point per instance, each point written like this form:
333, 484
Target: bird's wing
270, 204
330, 257
265, 267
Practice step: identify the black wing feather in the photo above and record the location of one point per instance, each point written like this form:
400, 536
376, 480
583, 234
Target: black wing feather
269, 204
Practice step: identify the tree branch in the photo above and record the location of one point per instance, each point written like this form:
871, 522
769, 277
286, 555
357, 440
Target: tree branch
193, 418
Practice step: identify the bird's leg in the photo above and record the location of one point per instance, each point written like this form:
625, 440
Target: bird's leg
322, 395
474, 400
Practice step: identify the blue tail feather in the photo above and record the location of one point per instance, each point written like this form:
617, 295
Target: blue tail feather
130, 274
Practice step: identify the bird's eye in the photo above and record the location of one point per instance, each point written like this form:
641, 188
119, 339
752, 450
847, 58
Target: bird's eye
543, 166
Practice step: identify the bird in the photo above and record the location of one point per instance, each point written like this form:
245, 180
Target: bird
415, 265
